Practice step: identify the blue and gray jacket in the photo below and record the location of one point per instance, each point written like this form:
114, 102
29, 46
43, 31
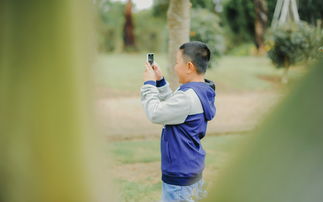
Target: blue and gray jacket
184, 114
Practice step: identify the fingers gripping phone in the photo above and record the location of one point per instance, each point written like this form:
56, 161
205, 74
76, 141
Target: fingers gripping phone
150, 58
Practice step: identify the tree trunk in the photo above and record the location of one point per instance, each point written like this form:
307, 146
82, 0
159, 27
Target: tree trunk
128, 30
178, 21
48, 148
284, 79
260, 25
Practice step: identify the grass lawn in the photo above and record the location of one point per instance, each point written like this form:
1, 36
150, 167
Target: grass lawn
137, 165
122, 73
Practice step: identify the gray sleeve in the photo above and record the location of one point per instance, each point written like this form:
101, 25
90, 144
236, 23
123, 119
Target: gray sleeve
164, 92
174, 110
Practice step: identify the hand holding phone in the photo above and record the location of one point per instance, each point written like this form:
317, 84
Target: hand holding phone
150, 58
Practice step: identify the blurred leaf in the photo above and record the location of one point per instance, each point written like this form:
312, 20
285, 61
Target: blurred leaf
48, 147
282, 161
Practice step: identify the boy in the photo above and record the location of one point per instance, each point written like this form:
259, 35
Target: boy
184, 114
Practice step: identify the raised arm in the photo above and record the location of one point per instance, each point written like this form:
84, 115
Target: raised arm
164, 90
163, 86
172, 111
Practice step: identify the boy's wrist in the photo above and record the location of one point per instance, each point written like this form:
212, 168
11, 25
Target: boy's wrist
160, 78
161, 82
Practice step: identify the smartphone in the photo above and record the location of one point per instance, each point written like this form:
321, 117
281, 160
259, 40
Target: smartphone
150, 58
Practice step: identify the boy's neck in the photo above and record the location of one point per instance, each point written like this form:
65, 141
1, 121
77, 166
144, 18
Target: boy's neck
196, 78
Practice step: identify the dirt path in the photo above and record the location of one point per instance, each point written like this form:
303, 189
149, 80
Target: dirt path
124, 118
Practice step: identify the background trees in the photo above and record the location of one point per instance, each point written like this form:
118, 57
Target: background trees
238, 20
205, 26
261, 20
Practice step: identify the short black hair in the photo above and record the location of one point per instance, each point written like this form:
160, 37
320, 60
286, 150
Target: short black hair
198, 53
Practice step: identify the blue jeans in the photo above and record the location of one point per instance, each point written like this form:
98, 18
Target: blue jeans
191, 193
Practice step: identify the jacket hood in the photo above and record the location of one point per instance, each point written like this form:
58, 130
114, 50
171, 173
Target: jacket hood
206, 93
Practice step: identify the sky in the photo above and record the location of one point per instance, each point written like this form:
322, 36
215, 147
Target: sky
140, 4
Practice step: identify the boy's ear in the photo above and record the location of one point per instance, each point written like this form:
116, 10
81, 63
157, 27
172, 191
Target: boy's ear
190, 67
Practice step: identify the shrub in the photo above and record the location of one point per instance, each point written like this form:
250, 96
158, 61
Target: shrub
111, 22
205, 27
292, 44
150, 32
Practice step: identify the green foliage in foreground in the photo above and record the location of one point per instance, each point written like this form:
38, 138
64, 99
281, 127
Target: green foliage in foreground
282, 161
48, 150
